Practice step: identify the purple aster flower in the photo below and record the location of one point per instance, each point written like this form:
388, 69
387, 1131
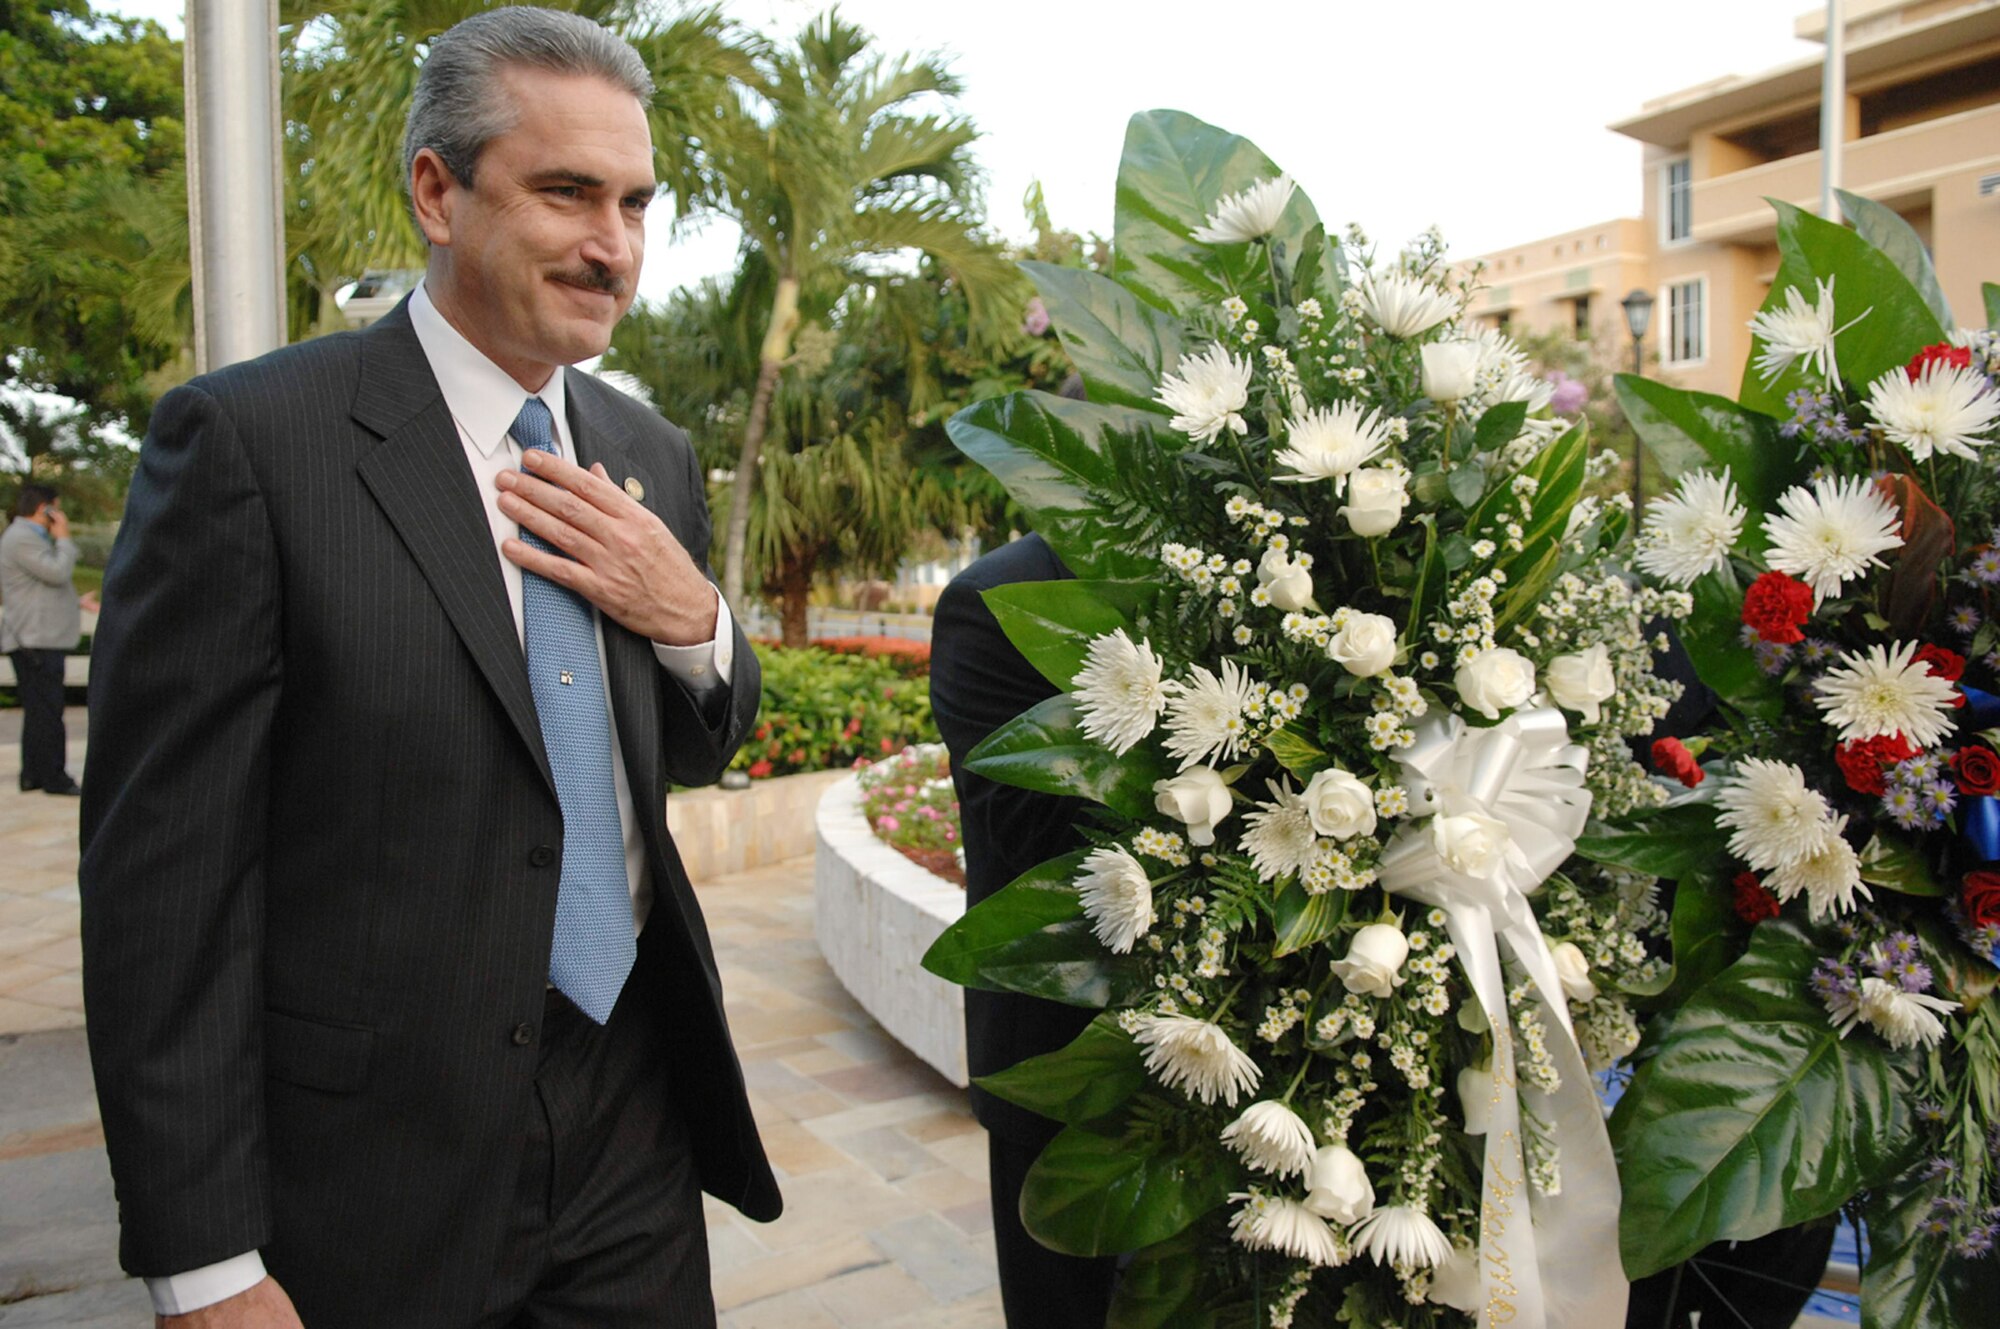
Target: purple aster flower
1835, 986
1964, 620
1930, 1113
1747, 635
1935, 1225
1771, 656
1790, 429
1920, 769
1984, 569
1939, 798
1976, 1244
1903, 806
1816, 651
1940, 1168
1949, 1206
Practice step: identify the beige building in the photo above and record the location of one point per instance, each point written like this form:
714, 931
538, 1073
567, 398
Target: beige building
1922, 136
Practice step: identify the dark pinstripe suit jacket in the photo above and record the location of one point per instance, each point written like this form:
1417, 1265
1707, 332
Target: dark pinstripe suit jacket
321, 839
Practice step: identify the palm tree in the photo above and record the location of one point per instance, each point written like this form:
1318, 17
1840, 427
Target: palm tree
833, 166
351, 66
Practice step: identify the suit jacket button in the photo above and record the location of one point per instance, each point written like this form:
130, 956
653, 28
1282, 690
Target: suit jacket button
541, 856
524, 1034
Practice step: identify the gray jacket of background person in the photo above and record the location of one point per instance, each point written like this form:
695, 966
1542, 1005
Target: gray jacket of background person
38, 604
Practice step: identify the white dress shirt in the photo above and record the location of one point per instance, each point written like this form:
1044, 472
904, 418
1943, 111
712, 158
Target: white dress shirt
484, 399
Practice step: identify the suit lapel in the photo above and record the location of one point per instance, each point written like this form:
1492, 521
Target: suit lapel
418, 476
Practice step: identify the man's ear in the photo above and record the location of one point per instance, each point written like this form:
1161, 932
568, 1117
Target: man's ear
431, 188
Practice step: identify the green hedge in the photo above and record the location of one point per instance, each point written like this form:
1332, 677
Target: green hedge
823, 711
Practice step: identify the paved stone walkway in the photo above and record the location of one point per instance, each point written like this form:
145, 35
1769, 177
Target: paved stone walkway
883, 1169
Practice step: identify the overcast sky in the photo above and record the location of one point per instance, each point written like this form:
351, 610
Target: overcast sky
1484, 116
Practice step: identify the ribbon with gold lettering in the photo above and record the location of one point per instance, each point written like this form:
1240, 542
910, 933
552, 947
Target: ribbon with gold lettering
1493, 813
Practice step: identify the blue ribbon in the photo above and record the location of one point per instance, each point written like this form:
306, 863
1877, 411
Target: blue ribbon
1982, 709
1981, 829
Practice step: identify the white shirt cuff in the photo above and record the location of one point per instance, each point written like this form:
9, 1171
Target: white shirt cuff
177, 1294
705, 665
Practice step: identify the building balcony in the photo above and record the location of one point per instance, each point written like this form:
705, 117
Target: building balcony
1890, 167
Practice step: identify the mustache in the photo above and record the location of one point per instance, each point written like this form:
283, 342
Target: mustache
592, 277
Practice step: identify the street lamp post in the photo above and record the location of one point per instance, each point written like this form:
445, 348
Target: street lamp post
1638, 307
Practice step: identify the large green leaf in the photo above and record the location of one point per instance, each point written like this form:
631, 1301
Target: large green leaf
1172, 173
1689, 430
1895, 864
1121, 345
1054, 456
1890, 321
1166, 1286
1885, 228
1990, 293
1053, 623
1046, 750
1754, 1114
1913, 1281
1100, 1069
1707, 936
1304, 920
1031, 937
1558, 474
1670, 843
1102, 1190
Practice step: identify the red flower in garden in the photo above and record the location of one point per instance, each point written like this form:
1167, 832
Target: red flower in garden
1754, 904
798, 757
1863, 760
887, 746
759, 769
1978, 769
1946, 664
1671, 757
1775, 606
1980, 895
853, 728
1953, 357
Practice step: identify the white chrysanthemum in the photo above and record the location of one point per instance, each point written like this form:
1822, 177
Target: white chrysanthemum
1271, 1138
1281, 838
1328, 442
1946, 409
1831, 533
1118, 691
1207, 394
1887, 691
1829, 877
1197, 1058
1800, 331
1248, 215
1692, 530
1205, 715
1117, 897
1399, 1235
1773, 817
1280, 1223
1906, 1019
1402, 305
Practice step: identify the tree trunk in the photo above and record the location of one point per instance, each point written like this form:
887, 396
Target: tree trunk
795, 599
777, 349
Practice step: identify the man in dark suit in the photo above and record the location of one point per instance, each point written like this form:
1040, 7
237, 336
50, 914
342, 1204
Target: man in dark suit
979, 682
401, 1006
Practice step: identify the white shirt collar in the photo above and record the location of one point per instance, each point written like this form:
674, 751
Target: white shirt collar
482, 397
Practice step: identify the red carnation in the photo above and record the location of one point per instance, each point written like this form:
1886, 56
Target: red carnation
1671, 757
1944, 353
1863, 760
1775, 605
1754, 904
1980, 895
1978, 769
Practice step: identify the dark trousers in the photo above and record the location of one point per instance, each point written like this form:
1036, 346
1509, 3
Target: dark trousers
39, 679
1039, 1289
607, 1229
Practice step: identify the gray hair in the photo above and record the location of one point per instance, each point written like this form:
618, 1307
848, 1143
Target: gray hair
459, 106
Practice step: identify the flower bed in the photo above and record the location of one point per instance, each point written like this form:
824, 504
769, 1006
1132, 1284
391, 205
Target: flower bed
911, 806
825, 711
911, 658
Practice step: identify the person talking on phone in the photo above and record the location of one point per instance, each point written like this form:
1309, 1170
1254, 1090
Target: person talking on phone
41, 622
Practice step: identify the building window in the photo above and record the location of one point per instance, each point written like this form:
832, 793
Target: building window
1582, 324
1679, 180
1687, 323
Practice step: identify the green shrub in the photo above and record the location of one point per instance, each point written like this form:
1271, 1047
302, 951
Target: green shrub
823, 711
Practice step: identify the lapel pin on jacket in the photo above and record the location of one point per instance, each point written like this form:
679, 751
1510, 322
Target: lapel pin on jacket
635, 489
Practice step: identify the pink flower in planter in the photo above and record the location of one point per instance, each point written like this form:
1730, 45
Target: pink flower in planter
889, 824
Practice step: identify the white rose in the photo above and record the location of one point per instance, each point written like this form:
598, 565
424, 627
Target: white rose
1450, 370
1495, 681
1472, 845
1288, 584
1475, 1095
1455, 1283
1374, 963
1365, 646
1198, 798
1337, 1186
1375, 500
1574, 971
1340, 805
1579, 681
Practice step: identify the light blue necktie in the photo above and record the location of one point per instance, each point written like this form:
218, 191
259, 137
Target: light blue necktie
594, 946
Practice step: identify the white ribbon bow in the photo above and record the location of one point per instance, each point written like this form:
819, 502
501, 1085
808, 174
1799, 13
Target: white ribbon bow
1506, 805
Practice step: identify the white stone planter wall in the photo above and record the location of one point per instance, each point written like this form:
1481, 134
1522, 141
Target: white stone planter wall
875, 913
